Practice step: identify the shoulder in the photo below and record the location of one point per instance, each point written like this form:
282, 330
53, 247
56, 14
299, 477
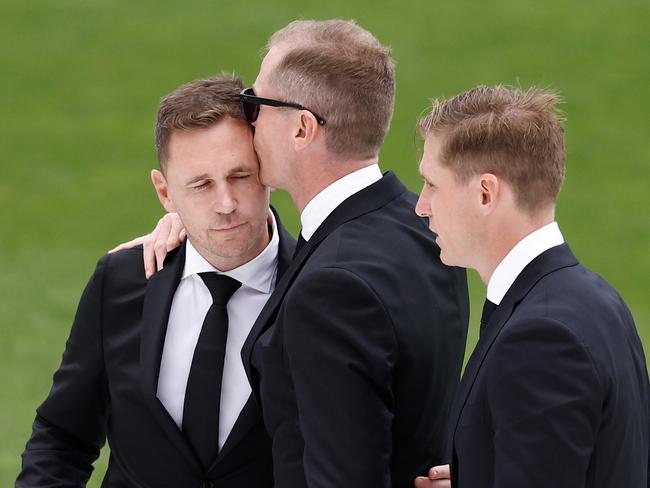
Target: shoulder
392, 232
121, 269
581, 301
125, 257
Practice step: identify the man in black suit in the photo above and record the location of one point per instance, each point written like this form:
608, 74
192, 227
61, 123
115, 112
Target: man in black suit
357, 355
556, 390
155, 365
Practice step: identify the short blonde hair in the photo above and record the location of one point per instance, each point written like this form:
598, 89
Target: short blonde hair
343, 73
515, 134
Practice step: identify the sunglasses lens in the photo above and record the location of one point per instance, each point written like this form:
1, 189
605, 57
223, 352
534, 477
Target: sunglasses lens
251, 110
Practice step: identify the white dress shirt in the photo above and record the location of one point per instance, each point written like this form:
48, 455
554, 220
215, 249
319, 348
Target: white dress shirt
190, 304
518, 258
323, 204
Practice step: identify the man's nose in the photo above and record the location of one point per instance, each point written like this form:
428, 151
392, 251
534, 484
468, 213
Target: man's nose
422, 208
225, 202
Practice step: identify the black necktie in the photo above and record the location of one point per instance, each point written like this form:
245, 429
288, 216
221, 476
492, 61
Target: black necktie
488, 310
301, 242
203, 392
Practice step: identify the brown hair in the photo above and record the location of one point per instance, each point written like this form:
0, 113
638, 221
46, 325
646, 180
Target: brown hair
515, 134
195, 105
340, 71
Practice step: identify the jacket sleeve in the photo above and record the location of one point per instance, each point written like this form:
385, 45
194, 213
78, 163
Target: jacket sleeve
545, 397
342, 350
70, 425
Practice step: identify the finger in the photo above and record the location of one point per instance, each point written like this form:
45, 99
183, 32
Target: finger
148, 254
424, 482
148, 257
160, 242
160, 251
127, 245
439, 472
174, 239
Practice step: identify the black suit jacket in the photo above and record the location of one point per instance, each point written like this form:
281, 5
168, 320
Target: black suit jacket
357, 354
556, 392
106, 387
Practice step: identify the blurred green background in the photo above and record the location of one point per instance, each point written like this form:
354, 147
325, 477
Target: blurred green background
79, 90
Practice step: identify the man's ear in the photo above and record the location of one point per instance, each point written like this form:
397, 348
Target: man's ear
160, 184
489, 192
306, 130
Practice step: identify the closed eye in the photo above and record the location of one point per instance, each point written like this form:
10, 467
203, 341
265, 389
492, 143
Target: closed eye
200, 185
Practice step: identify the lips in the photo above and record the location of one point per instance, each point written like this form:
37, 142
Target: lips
229, 228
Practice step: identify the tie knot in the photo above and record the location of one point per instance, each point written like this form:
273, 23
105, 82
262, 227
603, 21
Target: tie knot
221, 286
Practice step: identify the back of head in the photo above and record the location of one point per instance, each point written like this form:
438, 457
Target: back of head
196, 105
514, 134
342, 72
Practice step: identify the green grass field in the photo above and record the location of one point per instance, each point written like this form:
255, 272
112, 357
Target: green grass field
80, 86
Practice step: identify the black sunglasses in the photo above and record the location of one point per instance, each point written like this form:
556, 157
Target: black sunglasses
250, 106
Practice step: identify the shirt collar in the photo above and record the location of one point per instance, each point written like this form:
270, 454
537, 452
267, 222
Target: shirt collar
258, 273
323, 204
518, 258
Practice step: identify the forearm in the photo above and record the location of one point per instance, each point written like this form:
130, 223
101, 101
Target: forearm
55, 458
70, 426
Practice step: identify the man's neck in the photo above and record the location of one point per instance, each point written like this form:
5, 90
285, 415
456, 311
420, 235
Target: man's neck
319, 176
505, 237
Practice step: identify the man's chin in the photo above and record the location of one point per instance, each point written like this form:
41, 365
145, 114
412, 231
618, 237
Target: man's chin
231, 251
446, 259
267, 179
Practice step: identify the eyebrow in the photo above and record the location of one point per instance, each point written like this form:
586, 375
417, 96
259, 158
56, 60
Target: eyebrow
426, 180
194, 179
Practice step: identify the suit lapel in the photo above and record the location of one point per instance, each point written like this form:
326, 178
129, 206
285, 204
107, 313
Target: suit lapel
155, 315
248, 418
370, 198
551, 260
